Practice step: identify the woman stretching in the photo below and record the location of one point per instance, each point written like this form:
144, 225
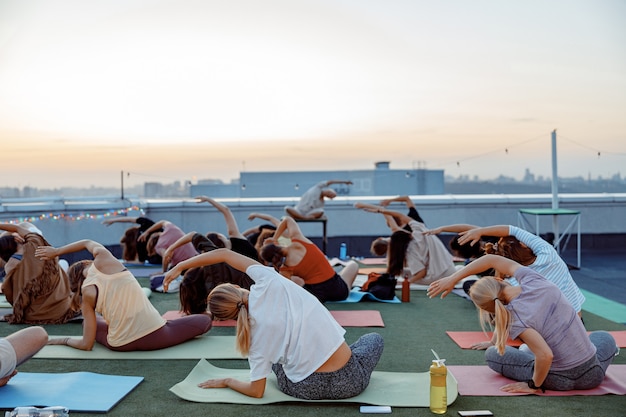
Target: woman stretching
558, 354
283, 328
306, 264
128, 320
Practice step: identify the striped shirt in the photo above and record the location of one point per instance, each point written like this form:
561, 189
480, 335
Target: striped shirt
550, 265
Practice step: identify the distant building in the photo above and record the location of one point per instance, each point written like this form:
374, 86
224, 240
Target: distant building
379, 181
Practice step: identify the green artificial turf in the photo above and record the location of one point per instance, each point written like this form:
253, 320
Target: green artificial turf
411, 331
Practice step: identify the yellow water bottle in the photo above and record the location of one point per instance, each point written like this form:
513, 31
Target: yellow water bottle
438, 388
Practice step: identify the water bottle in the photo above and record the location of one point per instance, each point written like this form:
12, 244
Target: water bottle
56, 411
406, 288
438, 388
343, 252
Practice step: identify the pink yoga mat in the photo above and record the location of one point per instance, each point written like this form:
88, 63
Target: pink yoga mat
350, 318
482, 381
466, 339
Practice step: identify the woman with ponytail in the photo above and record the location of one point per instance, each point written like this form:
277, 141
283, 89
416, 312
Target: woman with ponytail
557, 353
285, 329
303, 262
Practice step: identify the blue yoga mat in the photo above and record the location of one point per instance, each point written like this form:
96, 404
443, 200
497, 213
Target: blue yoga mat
357, 295
78, 391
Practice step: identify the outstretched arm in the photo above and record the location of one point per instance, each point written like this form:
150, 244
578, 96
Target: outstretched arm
156, 226
400, 199
473, 235
231, 223
167, 255
445, 285
330, 182
233, 259
110, 221
14, 228
400, 218
452, 228
102, 258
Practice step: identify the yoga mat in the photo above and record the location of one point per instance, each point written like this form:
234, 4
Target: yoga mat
78, 391
3, 302
207, 347
357, 295
351, 318
465, 340
396, 389
482, 381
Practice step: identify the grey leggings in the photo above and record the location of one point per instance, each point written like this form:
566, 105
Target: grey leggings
519, 365
346, 382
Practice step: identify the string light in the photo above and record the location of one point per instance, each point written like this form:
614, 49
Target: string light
74, 217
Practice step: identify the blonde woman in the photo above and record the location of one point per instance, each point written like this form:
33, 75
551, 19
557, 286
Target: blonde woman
557, 353
283, 328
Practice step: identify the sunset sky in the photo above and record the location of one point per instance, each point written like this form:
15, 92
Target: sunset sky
196, 89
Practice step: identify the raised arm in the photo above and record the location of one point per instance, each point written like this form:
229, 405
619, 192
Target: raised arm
400, 218
331, 182
167, 255
110, 221
156, 226
452, 228
14, 228
399, 199
233, 259
289, 226
445, 285
474, 235
103, 259
231, 223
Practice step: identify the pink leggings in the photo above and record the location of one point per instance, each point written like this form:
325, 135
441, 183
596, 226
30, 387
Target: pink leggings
172, 333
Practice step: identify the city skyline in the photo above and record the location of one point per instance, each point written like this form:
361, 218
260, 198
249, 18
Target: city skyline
193, 90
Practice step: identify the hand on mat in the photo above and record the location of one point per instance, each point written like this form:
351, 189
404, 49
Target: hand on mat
520, 387
58, 341
214, 383
443, 286
5, 380
481, 345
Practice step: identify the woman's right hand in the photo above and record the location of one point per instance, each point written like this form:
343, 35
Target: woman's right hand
170, 276
481, 345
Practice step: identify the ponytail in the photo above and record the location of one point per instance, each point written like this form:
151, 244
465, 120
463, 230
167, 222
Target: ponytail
485, 294
226, 302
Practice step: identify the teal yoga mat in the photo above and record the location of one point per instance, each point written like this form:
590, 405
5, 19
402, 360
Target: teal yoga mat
78, 391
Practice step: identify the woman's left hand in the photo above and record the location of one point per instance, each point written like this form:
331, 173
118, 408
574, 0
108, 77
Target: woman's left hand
519, 387
45, 252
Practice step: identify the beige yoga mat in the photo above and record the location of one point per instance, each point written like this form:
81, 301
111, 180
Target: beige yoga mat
396, 389
208, 347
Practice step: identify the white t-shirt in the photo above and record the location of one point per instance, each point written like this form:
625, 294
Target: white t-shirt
289, 326
427, 252
311, 199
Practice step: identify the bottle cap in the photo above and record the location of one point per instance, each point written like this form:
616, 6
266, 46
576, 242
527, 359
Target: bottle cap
437, 359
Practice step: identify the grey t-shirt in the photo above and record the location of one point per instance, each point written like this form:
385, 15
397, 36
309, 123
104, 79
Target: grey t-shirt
541, 306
